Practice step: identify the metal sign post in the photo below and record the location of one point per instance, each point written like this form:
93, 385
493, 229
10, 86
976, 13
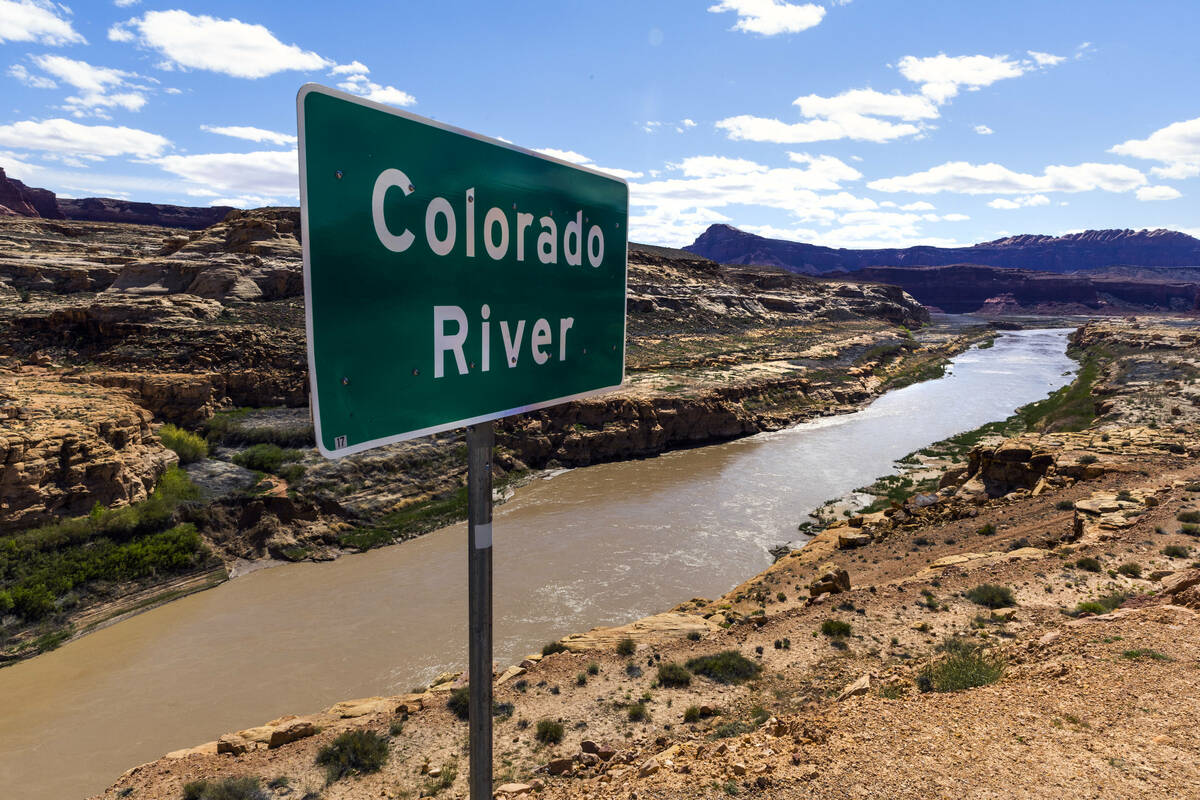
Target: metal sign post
479, 559
450, 280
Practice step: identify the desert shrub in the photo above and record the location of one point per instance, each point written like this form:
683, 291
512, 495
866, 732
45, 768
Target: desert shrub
1113, 601
549, 731
691, 714
625, 647
693, 636
460, 702
633, 670
1190, 530
731, 728
581, 679
1170, 551
1192, 487
188, 446
593, 668
990, 595
1188, 516
835, 628
502, 710
963, 666
1130, 569
987, 529
636, 712
265, 457
673, 676
1089, 607
1088, 458
1140, 653
1065, 505
282, 782
553, 647
225, 789
396, 727
443, 781
1088, 564
728, 666
292, 472
358, 751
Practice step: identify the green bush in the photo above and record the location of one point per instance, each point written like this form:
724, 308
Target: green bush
990, 595
1113, 601
964, 666
1188, 516
626, 646
460, 702
987, 529
549, 731
1130, 569
636, 712
188, 446
357, 751
581, 679
1089, 564
553, 647
1190, 530
1170, 551
674, 676
728, 666
691, 714
1089, 607
265, 457
731, 728
593, 668
225, 789
835, 628
1140, 653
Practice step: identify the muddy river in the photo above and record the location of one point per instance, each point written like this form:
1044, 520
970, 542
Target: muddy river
593, 546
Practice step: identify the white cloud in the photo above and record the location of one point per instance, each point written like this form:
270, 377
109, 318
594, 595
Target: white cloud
992, 178
955, 218
353, 68
851, 126
267, 173
228, 46
16, 166
860, 229
1158, 193
1024, 201
360, 85
94, 84
868, 102
251, 134
941, 76
125, 3
1046, 59
920, 205
244, 201
582, 160
72, 138
38, 21
983, 130
1177, 146
770, 17
687, 123
21, 73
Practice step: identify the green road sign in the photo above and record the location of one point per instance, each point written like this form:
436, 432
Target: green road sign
449, 278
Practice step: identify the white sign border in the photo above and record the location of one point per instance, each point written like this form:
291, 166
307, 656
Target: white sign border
314, 404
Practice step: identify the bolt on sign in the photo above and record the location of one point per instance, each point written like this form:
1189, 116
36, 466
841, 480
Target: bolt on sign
449, 278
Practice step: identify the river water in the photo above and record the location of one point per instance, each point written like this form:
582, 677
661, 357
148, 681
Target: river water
594, 546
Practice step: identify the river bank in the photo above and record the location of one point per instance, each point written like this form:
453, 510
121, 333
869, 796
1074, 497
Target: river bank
1032, 516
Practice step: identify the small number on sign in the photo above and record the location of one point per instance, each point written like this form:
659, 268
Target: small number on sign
339, 442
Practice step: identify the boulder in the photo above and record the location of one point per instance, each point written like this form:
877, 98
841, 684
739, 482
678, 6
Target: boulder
832, 582
850, 540
859, 687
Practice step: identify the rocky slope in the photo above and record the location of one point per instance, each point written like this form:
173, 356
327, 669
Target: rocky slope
993, 633
1086, 250
966, 288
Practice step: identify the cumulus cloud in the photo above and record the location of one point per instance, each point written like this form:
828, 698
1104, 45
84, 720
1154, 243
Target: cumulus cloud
251, 134
359, 84
264, 174
868, 102
38, 21
1177, 146
95, 85
771, 17
582, 160
966, 178
228, 46
1046, 59
1147, 193
850, 126
1024, 201
353, 68
942, 76
66, 137
983, 130
22, 74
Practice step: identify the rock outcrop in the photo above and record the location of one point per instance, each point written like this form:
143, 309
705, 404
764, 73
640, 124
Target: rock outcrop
19, 200
1086, 250
108, 209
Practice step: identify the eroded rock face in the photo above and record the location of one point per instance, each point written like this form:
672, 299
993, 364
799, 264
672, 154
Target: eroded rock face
66, 446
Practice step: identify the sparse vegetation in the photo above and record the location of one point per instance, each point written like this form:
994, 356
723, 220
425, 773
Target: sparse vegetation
1188, 516
1176, 551
266, 457
1089, 564
225, 789
460, 702
353, 752
553, 647
987, 529
1065, 505
626, 647
1087, 458
1143, 652
963, 665
673, 676
449, 771
636, 712
691, 714
549, 731
1130, 569
728, 666
188, 446
990, 595
835, 628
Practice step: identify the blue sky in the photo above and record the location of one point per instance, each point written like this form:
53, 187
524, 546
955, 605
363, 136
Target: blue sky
849, 123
